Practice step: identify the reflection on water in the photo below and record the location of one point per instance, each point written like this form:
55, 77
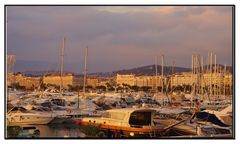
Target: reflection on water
51, 131
63, 131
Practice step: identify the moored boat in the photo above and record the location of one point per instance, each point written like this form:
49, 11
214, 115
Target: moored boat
126, 122
20, 116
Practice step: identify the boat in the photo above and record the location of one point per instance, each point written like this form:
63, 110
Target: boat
206, 124
126, 122
20, 116
222, 118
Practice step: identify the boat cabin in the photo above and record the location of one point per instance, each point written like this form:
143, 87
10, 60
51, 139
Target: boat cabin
127, 122
129, 117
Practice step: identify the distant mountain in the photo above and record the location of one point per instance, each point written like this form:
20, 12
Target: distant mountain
144, 70
39, 73
150, 70
33, 66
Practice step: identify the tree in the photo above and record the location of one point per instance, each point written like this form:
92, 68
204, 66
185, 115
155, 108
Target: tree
135, 88
145, 88
74, 88
17, 86
89, 87
101, 87
110, 87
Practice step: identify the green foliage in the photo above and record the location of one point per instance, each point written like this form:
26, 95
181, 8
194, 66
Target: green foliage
18, 87
135, 88
101, 87
13, 131
92, 131
89, 87
145, 88
74, 88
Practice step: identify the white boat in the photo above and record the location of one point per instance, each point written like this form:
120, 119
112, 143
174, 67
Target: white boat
210, 127
222, 118
20, 116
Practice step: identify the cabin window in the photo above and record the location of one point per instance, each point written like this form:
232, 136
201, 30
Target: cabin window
140, 118
106, 115
119, 116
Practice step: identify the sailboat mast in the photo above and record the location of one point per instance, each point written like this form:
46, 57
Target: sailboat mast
173, 64
211, 74
224, 80
215, 78
192, 71
162, 72
202, 73
62, 65
85, 70
156, 72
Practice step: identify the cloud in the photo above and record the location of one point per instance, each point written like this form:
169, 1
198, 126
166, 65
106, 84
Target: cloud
119, 37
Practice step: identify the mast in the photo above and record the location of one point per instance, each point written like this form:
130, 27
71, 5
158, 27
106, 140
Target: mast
162, 72
210, 74
173, 64
197, 73
208, 62
215, 78
208, 71
192, 70
85, 70
62, 65
220, 79
156, 73
224, 80
202, 77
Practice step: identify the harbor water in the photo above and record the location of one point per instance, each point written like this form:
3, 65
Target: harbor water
49, 131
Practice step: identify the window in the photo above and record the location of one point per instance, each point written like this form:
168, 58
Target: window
119, 116
106, 115
140, 118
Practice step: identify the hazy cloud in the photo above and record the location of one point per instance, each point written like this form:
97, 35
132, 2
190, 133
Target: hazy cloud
119, 37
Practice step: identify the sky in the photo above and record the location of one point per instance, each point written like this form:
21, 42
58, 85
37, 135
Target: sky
117, 37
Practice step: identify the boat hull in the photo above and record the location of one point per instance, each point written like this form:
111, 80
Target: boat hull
28, 120
125, 131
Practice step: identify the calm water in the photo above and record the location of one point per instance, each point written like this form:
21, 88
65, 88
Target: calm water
64, 131
55, 131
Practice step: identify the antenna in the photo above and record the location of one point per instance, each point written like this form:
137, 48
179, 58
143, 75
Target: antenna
156, 72
162, 71
62, 64
85, 70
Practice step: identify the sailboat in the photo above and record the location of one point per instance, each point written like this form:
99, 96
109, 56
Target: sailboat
161, 97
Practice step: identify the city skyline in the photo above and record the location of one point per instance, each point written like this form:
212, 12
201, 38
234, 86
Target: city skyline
118, 37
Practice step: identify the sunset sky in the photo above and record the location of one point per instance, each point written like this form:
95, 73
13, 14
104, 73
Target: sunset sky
118, 37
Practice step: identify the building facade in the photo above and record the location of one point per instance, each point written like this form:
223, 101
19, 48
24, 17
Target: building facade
182, 79
132, 80
22, 80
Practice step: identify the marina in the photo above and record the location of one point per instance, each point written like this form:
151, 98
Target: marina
115, 82
125, 113
133, 119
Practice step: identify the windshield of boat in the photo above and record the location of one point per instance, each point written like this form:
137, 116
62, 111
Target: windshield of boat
106, 115
114, 115
19, 109
140, 118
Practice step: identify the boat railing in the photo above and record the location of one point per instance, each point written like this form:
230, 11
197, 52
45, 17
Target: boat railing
136, 126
